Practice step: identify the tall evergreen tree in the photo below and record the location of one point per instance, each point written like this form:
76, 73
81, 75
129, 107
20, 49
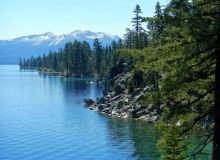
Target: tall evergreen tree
86, 53
66, 58
155, 25
137, 20
114, 52
129, 38
98, 54
44, 61
55, 62
20, 63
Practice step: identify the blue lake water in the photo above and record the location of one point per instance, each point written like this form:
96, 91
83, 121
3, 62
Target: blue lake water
43, 118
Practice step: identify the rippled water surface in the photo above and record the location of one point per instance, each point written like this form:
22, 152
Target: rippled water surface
44, 118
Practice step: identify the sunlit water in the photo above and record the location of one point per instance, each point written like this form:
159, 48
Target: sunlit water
44, 118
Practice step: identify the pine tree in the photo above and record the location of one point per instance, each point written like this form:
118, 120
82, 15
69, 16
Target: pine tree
137, 20
114, 52
20, 63
136, 38
86, 53
55, 62
98, 54
129, 38
172, 144
39, 62
44, 61
66, 58
155, 25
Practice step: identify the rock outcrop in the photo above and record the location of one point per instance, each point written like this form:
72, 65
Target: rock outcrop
118, 101
126, 106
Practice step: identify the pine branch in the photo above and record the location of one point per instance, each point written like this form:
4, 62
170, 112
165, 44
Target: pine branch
196, 53
200, 117
199, 75
205, 58
200, 52
202, 146
206, 3
203, 73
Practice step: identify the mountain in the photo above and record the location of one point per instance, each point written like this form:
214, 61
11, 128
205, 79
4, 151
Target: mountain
35, 45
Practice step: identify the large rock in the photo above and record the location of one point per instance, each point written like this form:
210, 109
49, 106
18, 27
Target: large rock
137, 107
149, 118
138, 97
101, 107
126, 108
106, 110
89, 102
116, 98
108, 96
136, 92
140, 113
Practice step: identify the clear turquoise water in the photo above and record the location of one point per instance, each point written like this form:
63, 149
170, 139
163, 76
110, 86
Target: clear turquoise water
44, 118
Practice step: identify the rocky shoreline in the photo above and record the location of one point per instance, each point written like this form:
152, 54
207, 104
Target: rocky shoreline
122, 99
125, 105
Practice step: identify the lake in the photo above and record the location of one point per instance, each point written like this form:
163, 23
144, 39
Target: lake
44, 118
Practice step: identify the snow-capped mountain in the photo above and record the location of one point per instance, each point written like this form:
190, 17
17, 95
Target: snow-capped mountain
35, 45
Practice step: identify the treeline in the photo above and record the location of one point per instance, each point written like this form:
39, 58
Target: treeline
76, 59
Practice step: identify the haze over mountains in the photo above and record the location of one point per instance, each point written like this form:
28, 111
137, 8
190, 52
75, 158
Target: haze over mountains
35, 45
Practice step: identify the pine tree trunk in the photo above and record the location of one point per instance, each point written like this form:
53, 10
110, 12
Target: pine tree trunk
216, 138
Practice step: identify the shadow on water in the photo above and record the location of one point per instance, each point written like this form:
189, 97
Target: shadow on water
82, 87
141, 136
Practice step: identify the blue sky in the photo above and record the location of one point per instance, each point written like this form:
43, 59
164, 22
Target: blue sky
24, 17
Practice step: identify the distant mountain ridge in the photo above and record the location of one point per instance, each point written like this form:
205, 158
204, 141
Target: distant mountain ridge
35, 45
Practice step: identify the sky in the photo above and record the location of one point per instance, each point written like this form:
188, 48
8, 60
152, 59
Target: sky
27, 17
